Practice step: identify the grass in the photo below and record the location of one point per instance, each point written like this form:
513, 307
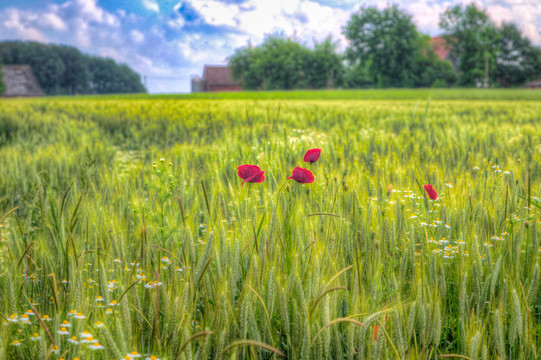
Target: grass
366, 94
130, 212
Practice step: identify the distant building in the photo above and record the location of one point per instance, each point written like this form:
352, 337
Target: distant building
441, 49
536, 84
215, 78
20, 81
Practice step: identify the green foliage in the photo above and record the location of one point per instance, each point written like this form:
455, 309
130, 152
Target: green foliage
63, 70
283, 64
383, 42
2, 85
386, 50
488, 55
517, 61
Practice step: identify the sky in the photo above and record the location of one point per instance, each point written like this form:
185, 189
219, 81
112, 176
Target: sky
169, 41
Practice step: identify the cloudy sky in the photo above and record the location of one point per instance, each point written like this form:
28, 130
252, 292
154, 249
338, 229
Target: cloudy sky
168, 41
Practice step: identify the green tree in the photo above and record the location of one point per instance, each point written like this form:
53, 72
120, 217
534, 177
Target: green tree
283, 63
107, 77
65, 70
428, 69
76, 76
2, 85
382, 46
473, 39
517, 60
325, 68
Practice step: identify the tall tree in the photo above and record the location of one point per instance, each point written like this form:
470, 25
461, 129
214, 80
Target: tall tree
382, 44
472, 38
283, 63
2, 85
517, 60
64, 70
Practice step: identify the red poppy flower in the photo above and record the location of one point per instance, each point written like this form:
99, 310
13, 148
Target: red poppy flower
431, 192
302, 176
251, 174
312, 155
376, 331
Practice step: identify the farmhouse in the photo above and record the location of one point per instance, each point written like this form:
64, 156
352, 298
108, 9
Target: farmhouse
536, 84
215, 78
20, 81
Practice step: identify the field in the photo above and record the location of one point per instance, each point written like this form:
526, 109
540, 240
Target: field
124, 219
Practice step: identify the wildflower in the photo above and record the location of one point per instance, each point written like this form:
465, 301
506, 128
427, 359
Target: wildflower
63, 331
251, 174
79, 316
13, 318
35, 337
29, 312
447, 226
432, 194
117, 261
506, 172
179, 269
423, 223
16, 343
134, 355
413, 217
114, 303
72, 313
153, 284
73, 340
449, 185
152, 358
108, 311
96, 346
89, 340
98, 324
312, 155
24, 319
99, 299
65, 323
85, 334
46, 318
302, 176
476, 167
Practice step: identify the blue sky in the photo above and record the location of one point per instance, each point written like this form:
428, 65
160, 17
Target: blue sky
168, 41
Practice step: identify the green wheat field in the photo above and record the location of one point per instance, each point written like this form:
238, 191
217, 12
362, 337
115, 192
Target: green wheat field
125, 232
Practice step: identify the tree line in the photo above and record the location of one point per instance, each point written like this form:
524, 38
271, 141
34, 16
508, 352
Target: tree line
385, 49
64, 70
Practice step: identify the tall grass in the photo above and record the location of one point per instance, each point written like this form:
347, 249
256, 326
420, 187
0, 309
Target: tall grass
137, 202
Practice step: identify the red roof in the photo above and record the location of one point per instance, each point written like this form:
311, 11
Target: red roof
439, 46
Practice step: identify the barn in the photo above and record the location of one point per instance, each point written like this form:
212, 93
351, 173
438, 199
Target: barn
215, 78
20, 81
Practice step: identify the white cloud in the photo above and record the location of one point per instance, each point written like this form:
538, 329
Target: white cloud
52, 21
20, 23
151, 5
137, 36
